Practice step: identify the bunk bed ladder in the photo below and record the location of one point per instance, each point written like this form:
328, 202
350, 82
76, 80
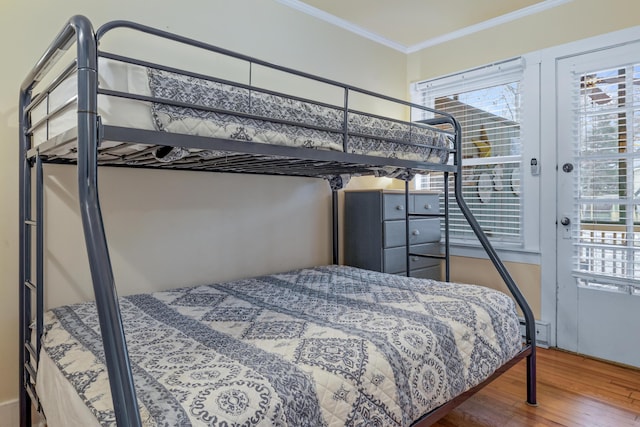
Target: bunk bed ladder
445, 215
31, 288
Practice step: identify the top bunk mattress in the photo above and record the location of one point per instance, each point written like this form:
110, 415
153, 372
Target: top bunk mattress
184, 104
329, 345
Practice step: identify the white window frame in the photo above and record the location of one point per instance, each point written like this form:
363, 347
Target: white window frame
489, 75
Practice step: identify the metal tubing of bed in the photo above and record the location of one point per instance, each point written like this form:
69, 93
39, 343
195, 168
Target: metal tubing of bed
39, 253
447, 242
79, 31
334, 226
345, 123
24, 256
71, 68
115, 349
500, 267
407, 227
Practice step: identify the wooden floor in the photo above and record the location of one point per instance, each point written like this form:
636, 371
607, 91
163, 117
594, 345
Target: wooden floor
572, 391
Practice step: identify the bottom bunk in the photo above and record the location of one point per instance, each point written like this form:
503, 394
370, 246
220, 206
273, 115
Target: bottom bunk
329, 345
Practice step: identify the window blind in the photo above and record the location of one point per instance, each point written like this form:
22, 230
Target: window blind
488, 103
606, 190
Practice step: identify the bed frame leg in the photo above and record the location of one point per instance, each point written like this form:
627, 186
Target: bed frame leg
336, 182
25, 409
531, 378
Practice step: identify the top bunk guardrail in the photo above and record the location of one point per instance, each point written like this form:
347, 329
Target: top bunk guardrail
240, 116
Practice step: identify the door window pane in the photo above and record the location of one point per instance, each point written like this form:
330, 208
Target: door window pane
607, 184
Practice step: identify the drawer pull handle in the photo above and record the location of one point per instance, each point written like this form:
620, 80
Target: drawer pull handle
414, 259
427, 206
416, 232
400, 207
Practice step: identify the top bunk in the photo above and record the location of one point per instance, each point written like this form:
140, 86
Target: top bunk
221, 111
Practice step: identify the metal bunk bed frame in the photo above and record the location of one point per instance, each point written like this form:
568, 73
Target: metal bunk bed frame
90, 132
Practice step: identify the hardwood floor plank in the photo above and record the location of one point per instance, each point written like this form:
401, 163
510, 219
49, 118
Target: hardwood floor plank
573, 391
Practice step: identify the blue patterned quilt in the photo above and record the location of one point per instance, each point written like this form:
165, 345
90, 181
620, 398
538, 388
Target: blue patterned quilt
324, 346
209, 108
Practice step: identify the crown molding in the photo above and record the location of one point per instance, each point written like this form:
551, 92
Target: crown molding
485, 25
349, 26
342, 23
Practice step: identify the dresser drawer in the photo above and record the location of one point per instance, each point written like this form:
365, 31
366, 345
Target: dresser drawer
421, 231
426, 273
395, 258
426, 203
393, 206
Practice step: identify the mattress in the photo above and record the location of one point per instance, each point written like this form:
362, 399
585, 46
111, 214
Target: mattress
323, 346
196, 106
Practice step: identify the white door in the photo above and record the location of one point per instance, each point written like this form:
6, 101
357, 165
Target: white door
598, 218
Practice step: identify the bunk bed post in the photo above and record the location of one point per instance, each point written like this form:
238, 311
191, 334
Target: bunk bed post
39, 252
447, 241
116, 355
336, 182
502, 270
334, 226
407, 228
24, 240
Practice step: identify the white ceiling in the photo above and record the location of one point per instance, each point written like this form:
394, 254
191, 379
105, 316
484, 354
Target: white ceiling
411, 25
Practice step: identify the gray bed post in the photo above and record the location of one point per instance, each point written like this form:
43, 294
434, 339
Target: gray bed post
113, 339
336, 183
334, 227
24, 256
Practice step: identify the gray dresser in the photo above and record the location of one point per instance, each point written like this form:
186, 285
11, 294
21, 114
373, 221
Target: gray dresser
375, 233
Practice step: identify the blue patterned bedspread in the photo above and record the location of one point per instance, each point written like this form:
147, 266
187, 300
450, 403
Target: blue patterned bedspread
323, 346
225, 110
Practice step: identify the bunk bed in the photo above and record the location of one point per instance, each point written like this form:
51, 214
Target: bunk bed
326, 345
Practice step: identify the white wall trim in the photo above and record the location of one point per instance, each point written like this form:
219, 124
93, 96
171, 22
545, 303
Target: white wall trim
485, 25
9, 413
463, 32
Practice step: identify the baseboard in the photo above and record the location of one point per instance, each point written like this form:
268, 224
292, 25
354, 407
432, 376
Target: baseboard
542, 332
9, 413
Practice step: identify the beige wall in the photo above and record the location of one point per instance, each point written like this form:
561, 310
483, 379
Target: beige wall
175, 228
482, 272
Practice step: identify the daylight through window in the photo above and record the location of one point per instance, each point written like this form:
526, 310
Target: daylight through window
487, 103
607, 186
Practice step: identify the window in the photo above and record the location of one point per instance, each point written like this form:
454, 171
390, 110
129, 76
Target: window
488, 103
607, 183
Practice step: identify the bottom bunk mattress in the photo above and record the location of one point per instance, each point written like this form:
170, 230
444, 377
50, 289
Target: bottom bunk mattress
323, 346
